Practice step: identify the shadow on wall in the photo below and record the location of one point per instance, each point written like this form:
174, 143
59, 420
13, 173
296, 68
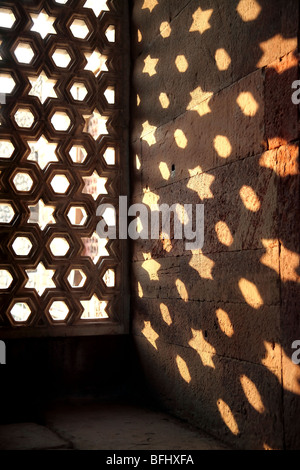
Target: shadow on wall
214, 123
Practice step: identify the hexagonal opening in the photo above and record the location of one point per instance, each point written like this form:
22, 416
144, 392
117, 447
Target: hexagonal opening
6, 149
22, 246
61, 58
109, 278
79, 29
60, 121
76, 278
20, 312
58, 310
7, 83
78, 91
24, 117
59, 246
110, 95
77, 215
110, 156
62, 2
60, 184
7, 18
110, 33
94, 309
5, 279
78, 154
23, 182
6, 213
24, 53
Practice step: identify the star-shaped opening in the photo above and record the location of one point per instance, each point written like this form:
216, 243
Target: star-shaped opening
94, 185
42, 87
43, 24
94, 247
42, 152
40, 279
96, 124
97, 6
94, 309
41, 214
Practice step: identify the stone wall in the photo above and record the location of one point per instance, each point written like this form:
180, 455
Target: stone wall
214, 124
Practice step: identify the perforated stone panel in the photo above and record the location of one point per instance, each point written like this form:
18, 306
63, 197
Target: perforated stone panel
59, 126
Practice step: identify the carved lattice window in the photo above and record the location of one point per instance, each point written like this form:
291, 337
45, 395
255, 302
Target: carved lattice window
62, 154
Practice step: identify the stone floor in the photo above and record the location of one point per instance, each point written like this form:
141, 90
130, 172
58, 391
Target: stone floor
93, 426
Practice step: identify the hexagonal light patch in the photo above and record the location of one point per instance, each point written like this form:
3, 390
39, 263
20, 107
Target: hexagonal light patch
6, 213
24, 53
59, 246
79, 91
6, 148
110, 33
61, 58
60, 121
94, 309
23, 182
77, 215
109, 278
22, 246
7, 83
24, 118
60, 184
79, 29
76, 278
7, 18
58, 310
5, 279
20, 312
110, 156
78, 154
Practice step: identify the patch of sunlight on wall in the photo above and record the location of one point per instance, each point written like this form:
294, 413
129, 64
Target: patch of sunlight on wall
201, 20
150, 4
273, 162
183, 369
166, 242
200, 183
252, 394
181, 63
223, 59
247, 103
150, 199
140, 291
250, 199
200, 101
138, 100
202, 265
182, 291
276, 43
223, 233
137, 162
164, 171
282, 366
165, 314
148, 133
180, 138
248, 10
250, 293
139, 36
151, 267
205, 350
228, 417
222, 146
165, 29
150, 65
150, 334
164, 100
225, 322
